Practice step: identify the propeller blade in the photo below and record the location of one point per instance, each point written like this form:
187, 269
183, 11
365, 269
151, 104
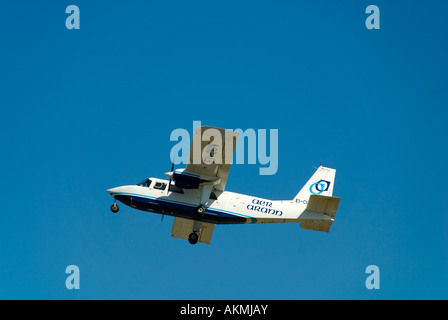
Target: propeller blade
172, 172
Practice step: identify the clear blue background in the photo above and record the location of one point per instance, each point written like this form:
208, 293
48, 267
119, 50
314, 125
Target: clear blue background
86, 110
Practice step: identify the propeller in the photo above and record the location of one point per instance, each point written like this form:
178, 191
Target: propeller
169, 183
172, 170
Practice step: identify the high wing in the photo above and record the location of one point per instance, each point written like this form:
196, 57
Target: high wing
211, 155
182, 228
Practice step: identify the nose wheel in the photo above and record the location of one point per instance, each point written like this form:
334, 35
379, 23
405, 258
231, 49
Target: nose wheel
114, 208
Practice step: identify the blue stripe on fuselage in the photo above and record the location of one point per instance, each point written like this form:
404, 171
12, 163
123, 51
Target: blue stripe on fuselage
178, 205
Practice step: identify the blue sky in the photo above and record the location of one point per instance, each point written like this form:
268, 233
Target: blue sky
86, 110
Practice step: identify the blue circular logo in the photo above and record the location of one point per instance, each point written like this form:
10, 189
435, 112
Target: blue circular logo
320, 186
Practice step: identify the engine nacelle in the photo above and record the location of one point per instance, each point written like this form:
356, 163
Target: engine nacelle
187, 180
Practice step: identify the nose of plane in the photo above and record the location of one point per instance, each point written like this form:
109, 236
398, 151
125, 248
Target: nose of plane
112, 191
119, 190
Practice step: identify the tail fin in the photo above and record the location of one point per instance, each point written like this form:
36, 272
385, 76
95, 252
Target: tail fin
317, 195
322, 183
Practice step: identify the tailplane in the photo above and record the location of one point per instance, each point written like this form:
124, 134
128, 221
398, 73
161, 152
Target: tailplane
320, 212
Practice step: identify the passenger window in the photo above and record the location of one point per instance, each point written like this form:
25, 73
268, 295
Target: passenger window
175, 188
145, 183
160, 186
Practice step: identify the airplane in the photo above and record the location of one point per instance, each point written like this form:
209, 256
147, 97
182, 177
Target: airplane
197, 198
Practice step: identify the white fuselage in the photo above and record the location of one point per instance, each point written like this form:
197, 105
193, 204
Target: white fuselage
222, 207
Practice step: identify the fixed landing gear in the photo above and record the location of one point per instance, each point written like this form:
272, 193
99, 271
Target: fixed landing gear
200, 210
193, 238
114, 208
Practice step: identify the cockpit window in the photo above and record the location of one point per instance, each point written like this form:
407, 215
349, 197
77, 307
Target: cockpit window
160, 186
145, 183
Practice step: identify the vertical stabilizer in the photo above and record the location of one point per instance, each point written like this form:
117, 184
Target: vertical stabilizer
321, 183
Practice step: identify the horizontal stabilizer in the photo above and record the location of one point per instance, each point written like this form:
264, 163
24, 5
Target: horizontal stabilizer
320, 212
316, 225
323, 204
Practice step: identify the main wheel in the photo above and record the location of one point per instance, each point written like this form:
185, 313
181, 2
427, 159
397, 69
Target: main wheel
114, 208
193, 238
200, 210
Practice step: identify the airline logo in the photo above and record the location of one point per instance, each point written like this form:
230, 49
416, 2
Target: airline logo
320, 186
264, 207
